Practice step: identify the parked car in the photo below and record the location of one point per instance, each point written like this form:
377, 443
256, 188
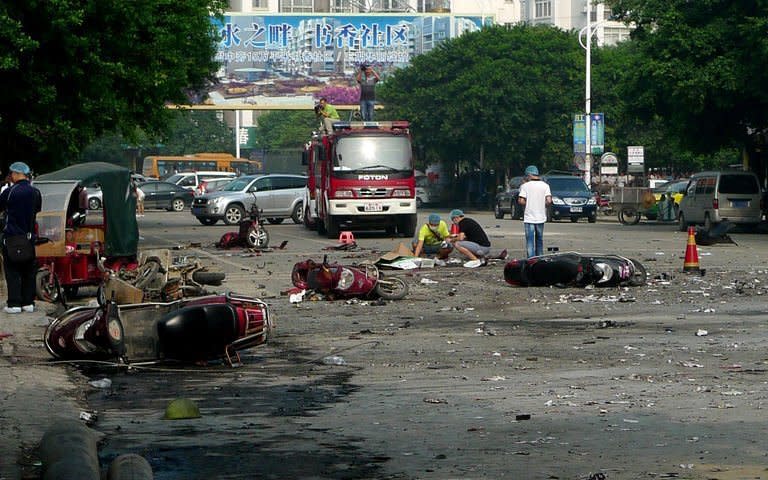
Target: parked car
571, 198
166, 195
191, 180
94, 197
712, 197
506, 200
211, 185
279, 196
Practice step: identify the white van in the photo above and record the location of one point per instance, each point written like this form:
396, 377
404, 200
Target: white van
191, 180
712, 197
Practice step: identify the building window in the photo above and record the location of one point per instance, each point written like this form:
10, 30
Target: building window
543, 9
295, 6
259, 4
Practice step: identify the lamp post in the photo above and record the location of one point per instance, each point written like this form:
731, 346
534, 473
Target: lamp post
587, 45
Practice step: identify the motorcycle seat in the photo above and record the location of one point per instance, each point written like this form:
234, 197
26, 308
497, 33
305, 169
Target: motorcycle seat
197, 332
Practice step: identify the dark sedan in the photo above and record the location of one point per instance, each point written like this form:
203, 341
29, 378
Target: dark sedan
506, 201
166, 195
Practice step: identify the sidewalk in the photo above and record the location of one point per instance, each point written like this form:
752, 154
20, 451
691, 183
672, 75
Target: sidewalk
32, 390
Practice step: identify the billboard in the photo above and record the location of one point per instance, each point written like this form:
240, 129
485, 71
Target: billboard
290, 60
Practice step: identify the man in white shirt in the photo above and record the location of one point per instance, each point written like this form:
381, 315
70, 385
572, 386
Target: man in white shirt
535, 196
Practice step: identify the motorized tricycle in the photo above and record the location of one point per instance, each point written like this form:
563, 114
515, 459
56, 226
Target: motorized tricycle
347, 281
191, 330
75, 240
571, 269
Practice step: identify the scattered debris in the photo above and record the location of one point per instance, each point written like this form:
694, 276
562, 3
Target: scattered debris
701, 333
435, 400
334, 360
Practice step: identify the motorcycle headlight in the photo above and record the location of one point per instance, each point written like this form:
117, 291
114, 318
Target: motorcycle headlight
346, 279
557, 201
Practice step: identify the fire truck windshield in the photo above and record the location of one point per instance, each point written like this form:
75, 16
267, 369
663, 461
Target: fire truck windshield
371, 153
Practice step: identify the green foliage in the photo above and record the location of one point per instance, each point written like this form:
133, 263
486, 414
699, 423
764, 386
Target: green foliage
72, 70
195, 132
285, 129
511, 91
700, 68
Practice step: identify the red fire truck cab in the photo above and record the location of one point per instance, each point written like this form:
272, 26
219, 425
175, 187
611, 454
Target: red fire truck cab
361, 177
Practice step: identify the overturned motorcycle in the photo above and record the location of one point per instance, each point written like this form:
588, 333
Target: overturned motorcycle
571, 269
347, 281
189, 330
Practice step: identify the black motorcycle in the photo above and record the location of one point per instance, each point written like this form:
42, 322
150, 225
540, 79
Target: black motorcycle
572, 269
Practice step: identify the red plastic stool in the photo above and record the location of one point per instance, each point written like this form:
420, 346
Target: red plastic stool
346, 237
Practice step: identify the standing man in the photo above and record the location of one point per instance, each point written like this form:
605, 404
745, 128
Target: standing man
328, 115
367, 78
471, 241
535, 196
21, 202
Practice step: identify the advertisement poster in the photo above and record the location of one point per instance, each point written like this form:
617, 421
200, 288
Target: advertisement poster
289, 61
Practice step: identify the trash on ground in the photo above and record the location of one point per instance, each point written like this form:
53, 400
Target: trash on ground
334, 360
701, 333
435, 400
427, 281
102, 383
297, 297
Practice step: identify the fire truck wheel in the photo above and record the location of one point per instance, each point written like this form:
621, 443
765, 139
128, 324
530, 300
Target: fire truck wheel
331, 227
407, 225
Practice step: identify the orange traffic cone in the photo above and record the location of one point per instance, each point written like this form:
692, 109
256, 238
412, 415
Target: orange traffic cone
691, 264
346, 237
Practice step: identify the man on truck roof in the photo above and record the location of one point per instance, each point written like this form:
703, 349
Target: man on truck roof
328, 115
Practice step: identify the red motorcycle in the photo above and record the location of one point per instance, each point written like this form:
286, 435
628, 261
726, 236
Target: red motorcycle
347, 281
251, 232
190, 329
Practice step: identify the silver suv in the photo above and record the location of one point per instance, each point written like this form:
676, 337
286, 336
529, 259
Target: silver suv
279, 196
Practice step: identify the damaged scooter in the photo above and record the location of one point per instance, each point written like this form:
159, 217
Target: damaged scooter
189, 330
571, 269
347, 281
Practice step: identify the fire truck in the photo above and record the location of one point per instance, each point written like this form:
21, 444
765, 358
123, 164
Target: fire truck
361, 177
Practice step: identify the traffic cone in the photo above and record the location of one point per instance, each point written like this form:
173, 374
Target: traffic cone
691, 264
346, 237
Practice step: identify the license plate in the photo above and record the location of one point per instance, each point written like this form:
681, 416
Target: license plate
739, 203
197, 210
373, 207
576, 210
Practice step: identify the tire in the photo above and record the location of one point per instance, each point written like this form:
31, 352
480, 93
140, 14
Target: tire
331, 227
305, 219
391, 288
640, 276
574, 219
298, 214
682, 225
146, 273
593, 218
45, 291
94, 203
275, 221
420, 204
257, 237
233, 214
497, 212
629, 216
707, 222
177, 204
320, 225
207, 221
208, 278
407, 225
517, 211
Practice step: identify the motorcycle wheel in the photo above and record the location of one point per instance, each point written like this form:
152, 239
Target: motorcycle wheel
391, 288
48, 292
629, 216
146, 273
208, 278
640, 277
257, 237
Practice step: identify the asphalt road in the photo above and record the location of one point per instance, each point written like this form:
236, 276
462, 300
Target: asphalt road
468, 377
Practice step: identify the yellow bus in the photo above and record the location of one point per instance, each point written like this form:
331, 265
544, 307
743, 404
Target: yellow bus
164, 166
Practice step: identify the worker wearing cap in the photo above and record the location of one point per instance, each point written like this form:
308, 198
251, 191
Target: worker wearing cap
431, 237
471, 241
535, 196
20, 202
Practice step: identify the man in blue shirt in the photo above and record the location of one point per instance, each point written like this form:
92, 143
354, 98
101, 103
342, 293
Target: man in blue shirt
20, 202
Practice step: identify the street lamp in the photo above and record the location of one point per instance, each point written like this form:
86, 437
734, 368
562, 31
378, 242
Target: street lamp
588, 31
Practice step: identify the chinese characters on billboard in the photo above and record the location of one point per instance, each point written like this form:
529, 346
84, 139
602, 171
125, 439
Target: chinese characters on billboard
291, 60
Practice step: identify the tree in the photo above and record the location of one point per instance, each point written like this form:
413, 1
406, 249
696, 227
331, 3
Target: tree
701, 68
504, 93
286, 129
70, 71
197, 131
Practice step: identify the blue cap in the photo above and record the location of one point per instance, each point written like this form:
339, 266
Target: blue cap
532, 170
20, 167
456, 213
434, 219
